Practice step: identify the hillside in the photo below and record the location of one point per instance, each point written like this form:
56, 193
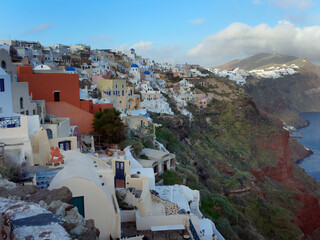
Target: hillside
285, 96
261, 61
240, 160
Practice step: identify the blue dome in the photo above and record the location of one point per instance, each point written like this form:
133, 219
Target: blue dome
134, 66
70, 69
132, 49
147, 73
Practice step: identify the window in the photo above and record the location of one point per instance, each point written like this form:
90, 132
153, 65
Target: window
3, 65
34, 112
1, 85
122, 92
65, 145
56, 96
27, 112
49, 133
116, 85
21, 103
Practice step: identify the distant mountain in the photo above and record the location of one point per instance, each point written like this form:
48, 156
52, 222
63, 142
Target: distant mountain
286, 96
260, 61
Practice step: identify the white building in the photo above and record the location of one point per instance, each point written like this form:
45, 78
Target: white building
6, 107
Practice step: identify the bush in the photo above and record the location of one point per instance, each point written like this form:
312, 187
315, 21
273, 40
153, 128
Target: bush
137, 146
224, 227
171, 178
10, 171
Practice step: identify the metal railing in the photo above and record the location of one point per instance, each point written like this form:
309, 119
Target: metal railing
10, 122
193, 231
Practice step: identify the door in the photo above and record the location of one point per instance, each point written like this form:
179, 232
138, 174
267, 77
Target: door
79, 203
120, 175
56, 96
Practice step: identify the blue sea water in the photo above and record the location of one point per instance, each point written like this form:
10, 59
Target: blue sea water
311, 139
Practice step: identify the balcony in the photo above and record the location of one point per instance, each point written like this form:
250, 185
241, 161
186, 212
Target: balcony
10, 122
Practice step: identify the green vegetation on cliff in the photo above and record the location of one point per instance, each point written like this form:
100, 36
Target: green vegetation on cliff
216, 155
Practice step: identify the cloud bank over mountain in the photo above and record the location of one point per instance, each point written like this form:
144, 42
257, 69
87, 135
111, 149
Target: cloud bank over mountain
240, 40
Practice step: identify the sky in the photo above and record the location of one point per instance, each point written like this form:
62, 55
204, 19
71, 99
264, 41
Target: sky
205, 32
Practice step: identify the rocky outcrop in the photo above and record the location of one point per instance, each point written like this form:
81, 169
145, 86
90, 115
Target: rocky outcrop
258, 174
30, 193
299, 152
53, 203
224, 168
23, 220
75, 224
279, 146
308, 215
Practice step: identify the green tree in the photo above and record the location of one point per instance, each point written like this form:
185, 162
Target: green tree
109, 126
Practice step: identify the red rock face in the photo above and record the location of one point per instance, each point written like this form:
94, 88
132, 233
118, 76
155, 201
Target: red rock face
224, 168
258, 174
308, 216
280, 146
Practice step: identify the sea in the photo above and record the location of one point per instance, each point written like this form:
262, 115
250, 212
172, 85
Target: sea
311, 139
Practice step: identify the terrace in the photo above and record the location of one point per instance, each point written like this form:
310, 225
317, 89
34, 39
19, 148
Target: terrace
10, 122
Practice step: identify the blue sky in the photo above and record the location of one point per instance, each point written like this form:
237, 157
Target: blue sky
173, 31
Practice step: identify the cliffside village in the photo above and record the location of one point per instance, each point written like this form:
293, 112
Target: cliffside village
48, 98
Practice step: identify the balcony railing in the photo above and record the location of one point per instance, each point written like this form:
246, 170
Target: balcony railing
193, 231
10, 122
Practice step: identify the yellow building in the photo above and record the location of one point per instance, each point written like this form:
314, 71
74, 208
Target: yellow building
200, 99
122, 94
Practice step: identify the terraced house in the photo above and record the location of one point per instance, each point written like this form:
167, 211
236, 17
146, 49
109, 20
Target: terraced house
118, 90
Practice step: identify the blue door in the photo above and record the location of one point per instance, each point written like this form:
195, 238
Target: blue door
120, 170
120, 175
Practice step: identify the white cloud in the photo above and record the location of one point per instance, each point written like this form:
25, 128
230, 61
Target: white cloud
40, 28
240, 40
256, 2
287, 4
143, 46
197, 21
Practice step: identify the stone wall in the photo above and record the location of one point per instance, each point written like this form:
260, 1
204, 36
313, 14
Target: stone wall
170, 208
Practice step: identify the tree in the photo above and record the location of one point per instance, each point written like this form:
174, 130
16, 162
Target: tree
109, 126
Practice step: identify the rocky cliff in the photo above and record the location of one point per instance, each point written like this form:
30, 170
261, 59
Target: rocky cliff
243, 163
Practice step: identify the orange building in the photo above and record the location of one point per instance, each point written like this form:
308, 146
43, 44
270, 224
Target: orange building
51, 87
62, 96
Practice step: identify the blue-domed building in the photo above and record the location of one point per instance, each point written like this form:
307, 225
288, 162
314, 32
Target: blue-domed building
70, 69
